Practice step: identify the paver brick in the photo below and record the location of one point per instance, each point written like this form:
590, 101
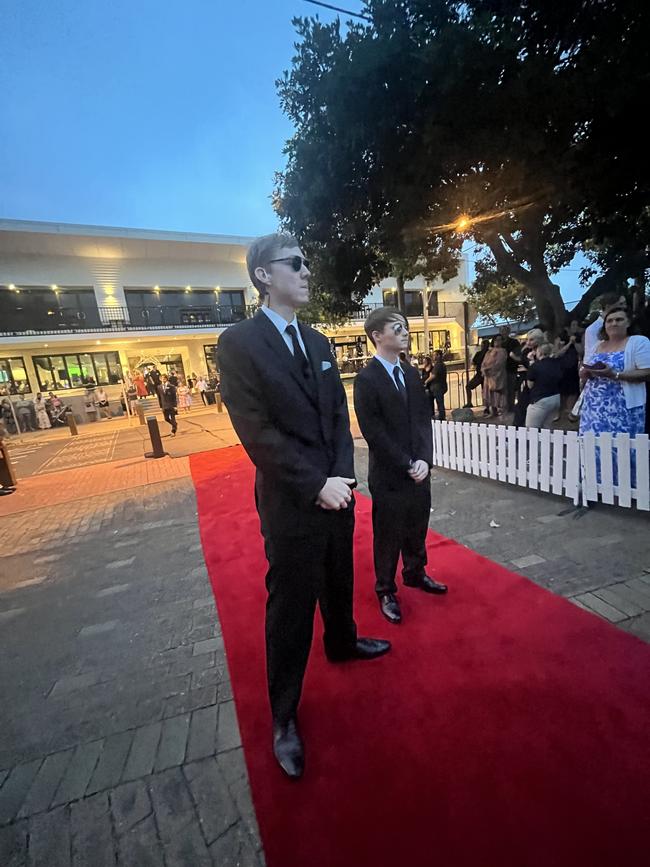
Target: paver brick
92, 835
15, 788
78, 774
111, 762
13, 844
228, 736
618, 601
173, 742
202, 740
143, 751
130, 804
49, 839
46, 783
598, 606
141, 846
209, 786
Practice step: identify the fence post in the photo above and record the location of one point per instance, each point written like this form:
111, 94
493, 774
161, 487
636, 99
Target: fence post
140, 411
72, 423
219, 402
7, 473
156, 441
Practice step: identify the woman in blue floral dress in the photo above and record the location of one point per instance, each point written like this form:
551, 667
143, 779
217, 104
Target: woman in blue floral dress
614, 380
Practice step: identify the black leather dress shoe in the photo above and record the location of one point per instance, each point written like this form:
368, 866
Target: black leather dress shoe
365, 648
288, 749
427, 584
390, 608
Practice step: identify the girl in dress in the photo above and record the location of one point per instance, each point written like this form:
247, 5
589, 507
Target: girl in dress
184, 397
42, 418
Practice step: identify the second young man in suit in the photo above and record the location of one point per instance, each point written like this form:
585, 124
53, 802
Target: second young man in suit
394, 415
286, 401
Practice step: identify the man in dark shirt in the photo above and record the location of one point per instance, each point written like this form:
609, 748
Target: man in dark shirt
477, 379
544, 379
169, 402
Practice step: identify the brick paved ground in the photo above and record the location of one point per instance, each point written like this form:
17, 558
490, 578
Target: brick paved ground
119, 742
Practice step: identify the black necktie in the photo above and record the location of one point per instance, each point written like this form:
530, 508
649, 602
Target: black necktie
298, 354
398, 382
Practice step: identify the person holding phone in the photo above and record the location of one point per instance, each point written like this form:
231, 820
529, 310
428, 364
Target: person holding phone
614, 379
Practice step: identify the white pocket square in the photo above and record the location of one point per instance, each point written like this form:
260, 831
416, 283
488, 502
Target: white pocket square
325, 365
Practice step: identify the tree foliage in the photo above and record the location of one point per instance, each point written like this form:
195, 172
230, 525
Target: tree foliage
498, 298
519, 113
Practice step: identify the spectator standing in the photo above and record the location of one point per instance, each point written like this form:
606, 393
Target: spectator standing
592, 332
103, 403
513, 352
169, 398
184, 397
477, 379
140, 385
24, 409
494, 373
202, 385
569, 350
439, 383
427, 377
544, 378
173, 379
614, 390
42, 418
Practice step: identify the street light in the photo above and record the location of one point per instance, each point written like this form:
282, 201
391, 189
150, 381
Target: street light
463, 223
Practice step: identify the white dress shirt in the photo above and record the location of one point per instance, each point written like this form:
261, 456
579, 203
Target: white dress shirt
281, 324
390, 367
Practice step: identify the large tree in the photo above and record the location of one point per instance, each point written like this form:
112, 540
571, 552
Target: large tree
521, 115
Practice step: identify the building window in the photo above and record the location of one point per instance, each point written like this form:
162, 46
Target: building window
42, 308
77, 370
211, 363
13, 377
413, 301
169, 306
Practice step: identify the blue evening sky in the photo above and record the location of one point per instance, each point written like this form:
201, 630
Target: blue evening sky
147, 113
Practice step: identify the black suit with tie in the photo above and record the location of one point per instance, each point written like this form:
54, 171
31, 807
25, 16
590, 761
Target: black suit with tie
291, 416
396, 424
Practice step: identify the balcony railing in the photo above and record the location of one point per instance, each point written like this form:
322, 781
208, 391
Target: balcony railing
178, 317
143, 319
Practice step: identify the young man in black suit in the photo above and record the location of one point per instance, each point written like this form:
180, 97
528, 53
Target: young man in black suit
394, 415
289, 409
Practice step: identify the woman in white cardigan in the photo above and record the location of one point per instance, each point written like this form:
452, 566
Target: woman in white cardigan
614, 392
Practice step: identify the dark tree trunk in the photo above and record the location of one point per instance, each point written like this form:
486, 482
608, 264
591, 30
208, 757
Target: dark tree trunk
401, 296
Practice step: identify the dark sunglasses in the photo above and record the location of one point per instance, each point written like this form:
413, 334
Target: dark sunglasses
296, 262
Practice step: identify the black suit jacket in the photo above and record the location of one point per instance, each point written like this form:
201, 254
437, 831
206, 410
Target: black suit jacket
296, 436
396, 432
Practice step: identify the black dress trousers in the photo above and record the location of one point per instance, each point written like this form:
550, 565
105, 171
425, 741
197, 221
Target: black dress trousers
306, 569
400, 519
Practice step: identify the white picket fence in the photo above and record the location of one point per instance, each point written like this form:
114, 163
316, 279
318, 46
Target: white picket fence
559, 462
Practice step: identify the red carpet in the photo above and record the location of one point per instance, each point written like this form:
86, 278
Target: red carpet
507, 728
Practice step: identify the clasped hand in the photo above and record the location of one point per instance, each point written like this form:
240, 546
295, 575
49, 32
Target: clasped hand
419, 471
335, 494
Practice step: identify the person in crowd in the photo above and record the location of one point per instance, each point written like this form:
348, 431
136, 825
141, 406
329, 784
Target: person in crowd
24, 413
154, 383
90, 404
42, 418
592, 332
191, 382
614, 378
103, 403
544, 377
426, 375
184, 397
202, 385
288, 406
513, 352
394, 415
477, 379
495, 381
132, 396
140, 385
439, 383
534, 338
569, 350
173, 378
169, 399
7, 416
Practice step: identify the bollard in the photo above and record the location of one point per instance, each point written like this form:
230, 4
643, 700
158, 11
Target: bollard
156, 442
219, 402
72, 424
7, 474
140, 411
